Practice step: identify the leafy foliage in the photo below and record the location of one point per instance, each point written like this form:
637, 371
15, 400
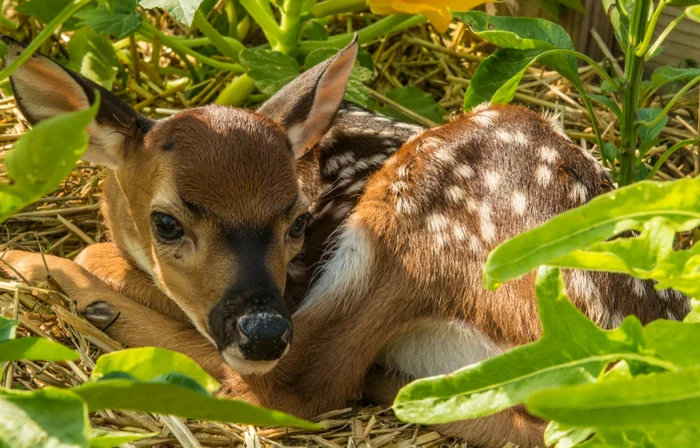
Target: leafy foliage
92, 55
182, 10
43, 157
119, 23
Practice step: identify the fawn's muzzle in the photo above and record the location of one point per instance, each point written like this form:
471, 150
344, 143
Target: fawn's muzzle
251, 327
264, 336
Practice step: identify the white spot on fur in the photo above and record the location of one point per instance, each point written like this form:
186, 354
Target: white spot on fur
460, 232
437, 348
402, 172
543, 175
464, 171
436, 222
444, 154
344, 276
511, 138
578, 193
638, 287
334, 163
492, 180
455, 193
548, 154
475, 245
485, 118
430, 144
519, 203
398, 186
405, 206
481, 107
488, 230
554, 120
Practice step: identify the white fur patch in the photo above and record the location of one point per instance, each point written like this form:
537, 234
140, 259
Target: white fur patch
436, 222
511, 138
481, 107
405, 206
455, 193
492, 180
488, 230
398, 186
486, 118
402, 171
519, 203
464, 171
548, 154
460, 232
345, 274
543, 175
578, 193
334, 163
437, 348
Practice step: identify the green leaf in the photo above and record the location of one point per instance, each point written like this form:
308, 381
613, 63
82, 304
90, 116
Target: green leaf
694, 314
572, 350
8, 328
620, 22
120, 22
35, 349
662, 400
533, 36
314, 30
144, 364
182, 10
666, 74
657, 210
45, 11
416, 101
109, 439
49, 417
676, 342
684, 3
693, 13
609, 152
92, 55
607, 102
647, 133
565, 436
43, 157
171, 399
270, 70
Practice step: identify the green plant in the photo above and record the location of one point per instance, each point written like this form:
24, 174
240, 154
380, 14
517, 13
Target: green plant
145, 379
631, 386
525, 41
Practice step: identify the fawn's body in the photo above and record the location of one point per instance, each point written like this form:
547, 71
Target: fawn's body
401, 284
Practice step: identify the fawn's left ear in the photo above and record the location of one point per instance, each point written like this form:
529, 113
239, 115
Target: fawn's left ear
306, 107
44, 89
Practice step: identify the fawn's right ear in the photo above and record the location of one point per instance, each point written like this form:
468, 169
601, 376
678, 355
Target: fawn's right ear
44, 89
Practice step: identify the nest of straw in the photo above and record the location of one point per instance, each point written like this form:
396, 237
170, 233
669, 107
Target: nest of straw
66, 221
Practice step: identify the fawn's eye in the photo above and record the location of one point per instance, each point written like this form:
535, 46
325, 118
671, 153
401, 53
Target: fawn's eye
299, 227
166, 227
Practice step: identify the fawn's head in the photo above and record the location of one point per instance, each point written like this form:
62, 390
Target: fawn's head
207, 202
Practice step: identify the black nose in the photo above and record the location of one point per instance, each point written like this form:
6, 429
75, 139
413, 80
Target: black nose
265, 336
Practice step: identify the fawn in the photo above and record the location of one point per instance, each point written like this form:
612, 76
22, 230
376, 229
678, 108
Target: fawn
208, 210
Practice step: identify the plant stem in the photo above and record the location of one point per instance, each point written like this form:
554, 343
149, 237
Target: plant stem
333, 7
603, 74
147, 28
663, 35
226, 45
386, 25
634, 68
641, 50
668, 153
670, 104
34, 45
290, 26
231, 16
272, 30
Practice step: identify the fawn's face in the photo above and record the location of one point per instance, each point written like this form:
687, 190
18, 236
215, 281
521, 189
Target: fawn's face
207, 202
217, 214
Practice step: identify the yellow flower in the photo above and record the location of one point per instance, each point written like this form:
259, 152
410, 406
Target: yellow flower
436, 11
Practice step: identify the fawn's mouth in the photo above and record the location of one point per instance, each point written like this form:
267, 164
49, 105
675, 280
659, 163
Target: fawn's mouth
234, 358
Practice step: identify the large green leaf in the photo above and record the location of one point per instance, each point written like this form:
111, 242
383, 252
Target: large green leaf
35, 349
667, 74
43, 157
533, 36
270, 70
92, 55
46, 10
182, 10
146, 363
109, 439
656, 209
121, 21
661, 400
676, 342
49, 417
572, 350
164, 398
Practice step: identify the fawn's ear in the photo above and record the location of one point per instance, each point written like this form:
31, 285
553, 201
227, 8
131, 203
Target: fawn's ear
306, 107
44, 89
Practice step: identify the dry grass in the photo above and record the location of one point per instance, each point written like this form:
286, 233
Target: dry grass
66, 221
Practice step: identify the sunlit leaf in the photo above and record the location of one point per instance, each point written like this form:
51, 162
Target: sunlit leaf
46, 10
49, 417
92, 55
270, 70
182, 10
43, 157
